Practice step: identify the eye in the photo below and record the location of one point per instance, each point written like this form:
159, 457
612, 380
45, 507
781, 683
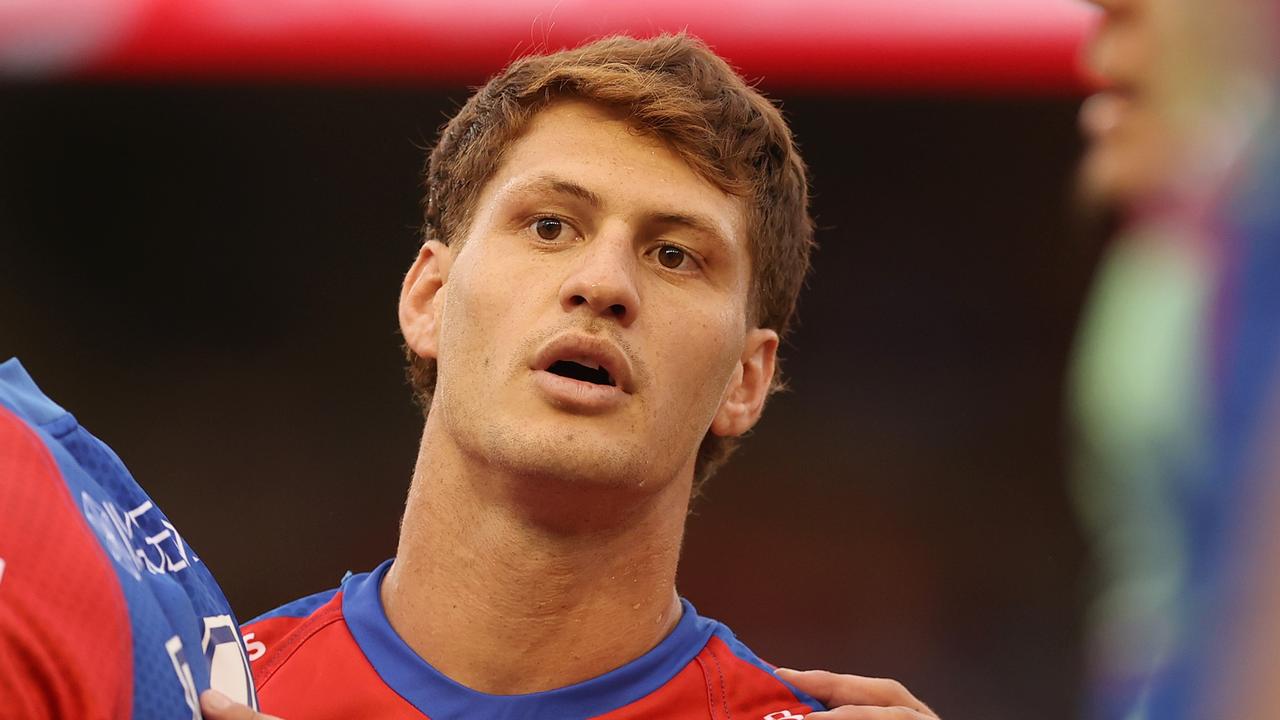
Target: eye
672, 257
548, 228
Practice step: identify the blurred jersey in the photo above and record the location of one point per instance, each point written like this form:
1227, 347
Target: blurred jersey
1227, 529
105, 611
1177, 386
335, 655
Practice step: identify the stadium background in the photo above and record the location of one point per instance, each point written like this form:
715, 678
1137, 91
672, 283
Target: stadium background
202, 260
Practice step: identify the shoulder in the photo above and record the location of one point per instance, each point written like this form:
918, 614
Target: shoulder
64, 627
307, 663
42, 530
273, 637
98, 579
741, 684
719, 679
288, 645
27, 463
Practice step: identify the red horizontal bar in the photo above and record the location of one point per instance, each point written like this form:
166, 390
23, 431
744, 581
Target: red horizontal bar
822, 45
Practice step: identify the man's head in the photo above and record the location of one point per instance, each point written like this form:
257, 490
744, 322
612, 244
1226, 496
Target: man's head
629, 201
1179, 80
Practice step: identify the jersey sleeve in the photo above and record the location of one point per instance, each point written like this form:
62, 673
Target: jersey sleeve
65, 645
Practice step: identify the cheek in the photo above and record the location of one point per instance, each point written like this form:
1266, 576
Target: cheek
701, 358
478, 317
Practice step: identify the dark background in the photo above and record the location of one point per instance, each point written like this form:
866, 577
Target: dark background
207, 277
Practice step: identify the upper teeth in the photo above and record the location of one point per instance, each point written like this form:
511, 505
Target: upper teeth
588, 363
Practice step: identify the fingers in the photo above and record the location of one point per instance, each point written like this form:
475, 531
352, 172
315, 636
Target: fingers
834, 690
216, 706
868, 712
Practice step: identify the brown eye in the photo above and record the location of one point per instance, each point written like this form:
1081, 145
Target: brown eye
671, 256
548, 228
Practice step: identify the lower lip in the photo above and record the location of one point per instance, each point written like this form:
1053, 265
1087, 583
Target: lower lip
1102, 113
577, 395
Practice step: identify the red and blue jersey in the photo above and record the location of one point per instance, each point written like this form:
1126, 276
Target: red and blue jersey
335, 655
106, 612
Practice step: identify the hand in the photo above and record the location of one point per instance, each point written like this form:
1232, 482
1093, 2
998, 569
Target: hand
853, 697
217, 706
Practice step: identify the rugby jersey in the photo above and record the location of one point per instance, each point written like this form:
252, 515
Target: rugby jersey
106, 612
335, 655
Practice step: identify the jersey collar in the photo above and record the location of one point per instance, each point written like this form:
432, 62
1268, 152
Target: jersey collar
440, 698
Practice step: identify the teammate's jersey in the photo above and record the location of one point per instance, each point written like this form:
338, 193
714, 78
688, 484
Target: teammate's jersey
335, 655
105, 611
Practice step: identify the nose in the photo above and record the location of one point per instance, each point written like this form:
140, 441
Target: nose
1098, 53
1116, 49
603, 280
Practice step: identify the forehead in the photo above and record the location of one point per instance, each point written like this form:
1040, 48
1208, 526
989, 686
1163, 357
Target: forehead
596, 147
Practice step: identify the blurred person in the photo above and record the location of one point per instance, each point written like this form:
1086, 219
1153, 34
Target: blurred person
1172, 365
614, 240
1234, 672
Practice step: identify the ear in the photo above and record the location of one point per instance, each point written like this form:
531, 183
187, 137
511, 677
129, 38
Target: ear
744, 398
422, 298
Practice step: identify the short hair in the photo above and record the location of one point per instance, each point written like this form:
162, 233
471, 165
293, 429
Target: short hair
677, 89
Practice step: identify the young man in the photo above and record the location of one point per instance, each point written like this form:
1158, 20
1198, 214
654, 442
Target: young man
1179, 357
615, 237
545, 554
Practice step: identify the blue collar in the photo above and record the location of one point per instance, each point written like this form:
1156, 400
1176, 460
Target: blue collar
440, 698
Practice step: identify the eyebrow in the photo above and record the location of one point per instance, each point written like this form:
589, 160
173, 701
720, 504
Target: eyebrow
561, 186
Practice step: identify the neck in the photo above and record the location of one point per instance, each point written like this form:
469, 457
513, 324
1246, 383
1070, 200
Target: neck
509, 584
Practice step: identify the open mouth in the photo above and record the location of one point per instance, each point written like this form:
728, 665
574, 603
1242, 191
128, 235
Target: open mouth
583, 372
1104, 113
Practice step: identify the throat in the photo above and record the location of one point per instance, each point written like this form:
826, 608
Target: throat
530, 639
503, 608
502, 601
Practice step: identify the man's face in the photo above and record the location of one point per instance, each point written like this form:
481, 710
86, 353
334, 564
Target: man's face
593, 320
1126, 123
1179, 79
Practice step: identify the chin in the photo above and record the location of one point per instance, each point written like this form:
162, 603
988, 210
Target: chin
593, 486
1112, 177
567, 457
1134, 163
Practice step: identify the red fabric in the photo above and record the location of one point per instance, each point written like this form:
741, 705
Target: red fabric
312, 668
65, 647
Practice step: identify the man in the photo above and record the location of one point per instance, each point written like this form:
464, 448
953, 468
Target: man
615, 237
78, 615
1178, 348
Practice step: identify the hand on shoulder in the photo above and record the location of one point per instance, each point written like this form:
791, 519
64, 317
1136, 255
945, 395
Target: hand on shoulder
854, 697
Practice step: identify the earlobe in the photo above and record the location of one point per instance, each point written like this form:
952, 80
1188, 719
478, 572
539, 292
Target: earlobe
744, 399
422, 298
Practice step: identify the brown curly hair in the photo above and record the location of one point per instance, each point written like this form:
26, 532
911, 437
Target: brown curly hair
676, 88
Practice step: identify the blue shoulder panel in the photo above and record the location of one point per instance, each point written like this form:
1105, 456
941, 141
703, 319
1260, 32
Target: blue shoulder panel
299, 608
744, 653
19, 393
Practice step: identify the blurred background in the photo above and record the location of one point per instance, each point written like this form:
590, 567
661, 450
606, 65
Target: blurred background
206, 209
